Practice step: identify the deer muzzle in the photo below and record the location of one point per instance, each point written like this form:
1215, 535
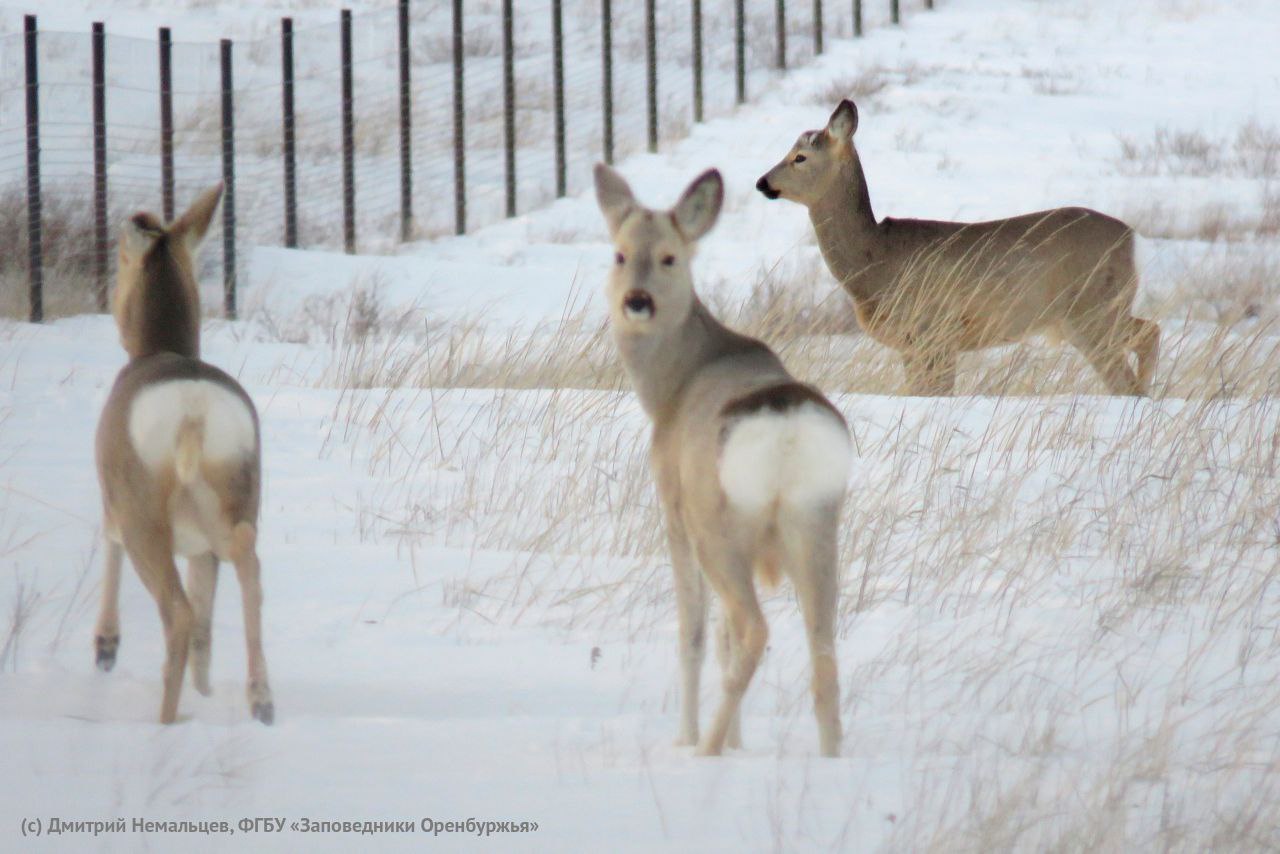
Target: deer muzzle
638, 305
763, 186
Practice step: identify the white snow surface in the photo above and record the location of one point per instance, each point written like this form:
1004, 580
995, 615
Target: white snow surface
463, 618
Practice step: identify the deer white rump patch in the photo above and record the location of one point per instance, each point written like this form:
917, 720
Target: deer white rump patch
159, 411
798, 457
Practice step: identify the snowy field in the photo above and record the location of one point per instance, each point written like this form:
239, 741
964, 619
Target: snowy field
1060, 613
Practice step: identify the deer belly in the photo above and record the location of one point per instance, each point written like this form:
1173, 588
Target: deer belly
799, 456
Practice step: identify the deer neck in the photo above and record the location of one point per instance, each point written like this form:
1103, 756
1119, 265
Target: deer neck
162, 313
847, 232
661, 365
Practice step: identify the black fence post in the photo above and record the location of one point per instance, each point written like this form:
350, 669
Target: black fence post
697, 60
509, 103
780, 24
651, 70
228, 185
35, 249
459, 127
348, 140
740, 50
100, 165
857, 18
817, 26
606, 84
895, 14
406, 126
166, 125
557, 70
928, 4
287, 129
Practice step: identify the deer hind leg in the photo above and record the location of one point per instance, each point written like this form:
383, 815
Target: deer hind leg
725, 651
930, 374
244, 555
202, 580
809, 537
733, 583
106, 637
1106, 347
1145, 341
691, 612
151, 551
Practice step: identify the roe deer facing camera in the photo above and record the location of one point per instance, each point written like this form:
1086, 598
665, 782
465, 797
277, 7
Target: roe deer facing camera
178, 457
750, 464
931, 290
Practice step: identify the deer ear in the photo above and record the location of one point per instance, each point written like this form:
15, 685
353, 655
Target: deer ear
192, 225
613, 194
138, 234
844, 121
699, 207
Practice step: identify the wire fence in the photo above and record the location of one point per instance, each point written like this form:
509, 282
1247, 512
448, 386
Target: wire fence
428, 118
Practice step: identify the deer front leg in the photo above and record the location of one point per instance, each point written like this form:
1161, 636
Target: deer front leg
106, 638
691, 612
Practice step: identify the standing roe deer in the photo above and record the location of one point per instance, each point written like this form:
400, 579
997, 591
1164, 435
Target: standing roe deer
931, 290
179, 461
750, 464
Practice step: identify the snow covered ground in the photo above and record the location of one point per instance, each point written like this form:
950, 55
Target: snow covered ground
1060, 618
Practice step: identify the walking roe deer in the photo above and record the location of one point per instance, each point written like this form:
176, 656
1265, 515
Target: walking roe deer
931, 290
750, 464
179, 461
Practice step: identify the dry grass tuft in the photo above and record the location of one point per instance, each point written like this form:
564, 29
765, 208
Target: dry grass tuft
862, 87
67, 241
1211, 223
26, 601
1254, 152
1226, 290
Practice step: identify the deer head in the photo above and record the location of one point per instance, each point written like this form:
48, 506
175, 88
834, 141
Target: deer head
816, 161
650, 288
157, 303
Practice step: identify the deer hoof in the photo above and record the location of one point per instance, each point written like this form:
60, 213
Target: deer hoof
264, 712
105, 652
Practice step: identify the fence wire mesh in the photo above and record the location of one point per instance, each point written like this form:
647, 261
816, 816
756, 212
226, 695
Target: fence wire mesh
133, 121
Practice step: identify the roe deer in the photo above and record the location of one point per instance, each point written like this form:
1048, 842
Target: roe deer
179, 461
931, 290
750, 464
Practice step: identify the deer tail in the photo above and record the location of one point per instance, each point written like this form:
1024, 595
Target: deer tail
188, 451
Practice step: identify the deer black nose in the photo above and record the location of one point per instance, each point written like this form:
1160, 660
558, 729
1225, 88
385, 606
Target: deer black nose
763, 186
638, 305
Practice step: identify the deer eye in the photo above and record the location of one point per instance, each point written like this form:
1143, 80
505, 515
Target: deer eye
618, 259
800, 158
668, 260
